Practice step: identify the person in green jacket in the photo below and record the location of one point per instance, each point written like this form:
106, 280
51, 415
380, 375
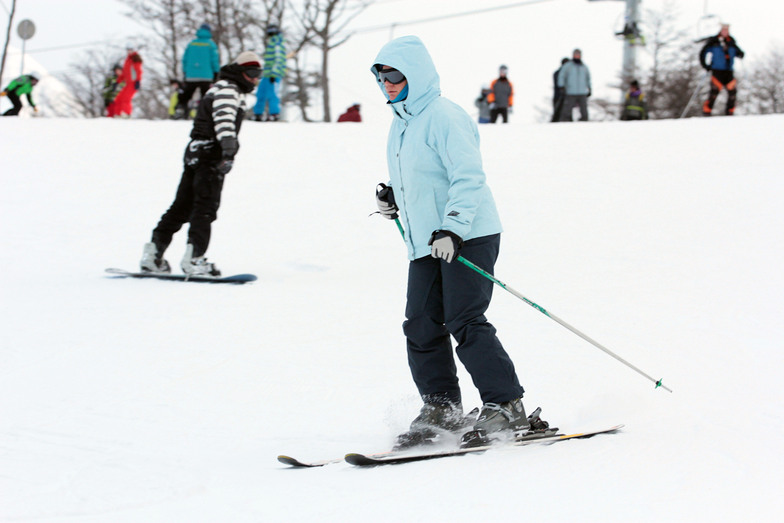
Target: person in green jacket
19, 86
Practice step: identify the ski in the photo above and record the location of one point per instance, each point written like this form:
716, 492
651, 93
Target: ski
391, 457
235, 279
372, 460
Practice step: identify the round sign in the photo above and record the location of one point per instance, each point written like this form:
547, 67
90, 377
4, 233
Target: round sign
25, 29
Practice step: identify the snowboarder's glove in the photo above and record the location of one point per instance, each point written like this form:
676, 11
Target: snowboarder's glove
445, 245
225, 166
492, 105
137, 85
229, 147
589, 94
385, 199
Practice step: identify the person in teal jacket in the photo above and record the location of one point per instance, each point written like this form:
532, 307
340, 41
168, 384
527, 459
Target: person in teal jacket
200, 66
22, 85
438, 188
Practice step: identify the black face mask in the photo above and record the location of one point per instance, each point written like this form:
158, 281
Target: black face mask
577, 60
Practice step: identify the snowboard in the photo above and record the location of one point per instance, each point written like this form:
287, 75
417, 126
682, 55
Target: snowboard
236, 279
393, 458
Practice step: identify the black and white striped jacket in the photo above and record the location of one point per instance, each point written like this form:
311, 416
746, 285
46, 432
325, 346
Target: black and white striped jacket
220, 113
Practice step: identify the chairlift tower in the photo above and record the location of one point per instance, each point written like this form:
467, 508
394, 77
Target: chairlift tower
631, 40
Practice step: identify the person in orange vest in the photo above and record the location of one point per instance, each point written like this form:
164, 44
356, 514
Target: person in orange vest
501, 97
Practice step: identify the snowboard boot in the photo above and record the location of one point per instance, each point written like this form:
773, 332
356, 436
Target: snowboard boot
497, 421
152, 261
197, 266
435, 420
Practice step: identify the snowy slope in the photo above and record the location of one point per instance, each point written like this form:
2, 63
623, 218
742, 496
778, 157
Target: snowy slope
127, 400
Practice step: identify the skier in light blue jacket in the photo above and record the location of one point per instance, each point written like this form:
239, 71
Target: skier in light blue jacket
437, 187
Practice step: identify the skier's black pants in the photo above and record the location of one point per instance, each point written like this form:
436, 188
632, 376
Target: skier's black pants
450, 298
197, 200
15, 101
719, 80
502, 111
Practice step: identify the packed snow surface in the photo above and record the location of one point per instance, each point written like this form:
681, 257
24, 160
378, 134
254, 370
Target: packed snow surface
141, 400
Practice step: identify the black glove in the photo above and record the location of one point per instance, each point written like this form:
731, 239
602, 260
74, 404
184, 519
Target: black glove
445, 245
273, 79
229, 147
385, 199
137, 85
589, 94
225, 166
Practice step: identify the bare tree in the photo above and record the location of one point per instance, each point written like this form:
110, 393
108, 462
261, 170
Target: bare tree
665, 43
765, 84
7, 37
87, 82
325, 21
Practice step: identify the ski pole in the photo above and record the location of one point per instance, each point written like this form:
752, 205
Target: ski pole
553, 317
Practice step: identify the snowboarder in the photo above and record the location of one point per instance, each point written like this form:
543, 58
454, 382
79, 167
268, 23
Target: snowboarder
208, 158
200, 66
438, 187
723, 50
268, 92
131, 78
634, 104
575, 80
501, 97
351, 114
111, 86
22, 85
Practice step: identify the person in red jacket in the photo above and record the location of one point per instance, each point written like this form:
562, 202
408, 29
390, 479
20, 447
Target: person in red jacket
351, 115
131, 76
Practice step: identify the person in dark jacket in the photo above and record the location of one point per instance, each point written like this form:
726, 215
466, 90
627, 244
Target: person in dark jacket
208, 158
634, 104
501, 97
22, 85
722, 50
351, 114
200, 65
558, 94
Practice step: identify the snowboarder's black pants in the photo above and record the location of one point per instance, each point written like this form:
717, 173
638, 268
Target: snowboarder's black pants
17, 104
197, 200
450, 298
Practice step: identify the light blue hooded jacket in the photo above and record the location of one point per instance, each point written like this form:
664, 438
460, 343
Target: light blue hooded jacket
435, 166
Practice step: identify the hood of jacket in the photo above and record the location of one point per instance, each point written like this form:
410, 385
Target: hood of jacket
233, 73
203, 33
408, 55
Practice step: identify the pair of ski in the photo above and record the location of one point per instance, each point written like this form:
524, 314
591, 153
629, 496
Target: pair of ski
408, 456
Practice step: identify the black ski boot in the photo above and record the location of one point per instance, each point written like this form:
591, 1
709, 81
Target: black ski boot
435, 421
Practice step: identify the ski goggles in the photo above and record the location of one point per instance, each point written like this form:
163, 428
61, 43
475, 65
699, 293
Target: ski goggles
392, 76
253, 72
